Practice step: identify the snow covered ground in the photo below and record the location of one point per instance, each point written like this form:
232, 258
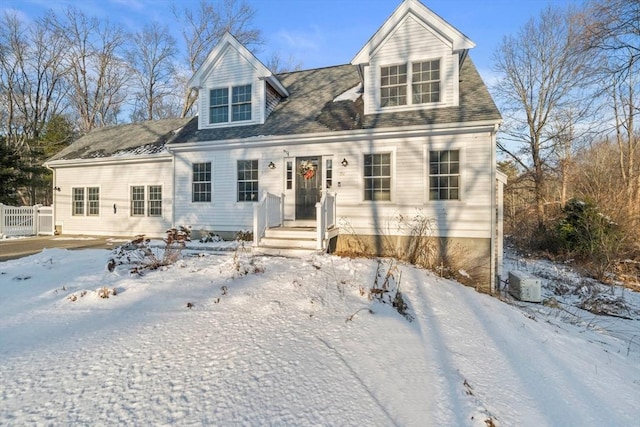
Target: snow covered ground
234, 339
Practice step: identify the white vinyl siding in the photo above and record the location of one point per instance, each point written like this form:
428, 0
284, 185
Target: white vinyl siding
114, 205
409, 177
248, 107
412, 43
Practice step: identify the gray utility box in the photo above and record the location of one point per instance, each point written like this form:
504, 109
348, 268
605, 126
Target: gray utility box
524, 286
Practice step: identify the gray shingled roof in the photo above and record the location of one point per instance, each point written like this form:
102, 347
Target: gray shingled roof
310, 108
124, 140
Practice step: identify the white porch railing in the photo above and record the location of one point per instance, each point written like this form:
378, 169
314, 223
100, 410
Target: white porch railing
325, 218
268, 212
26, 220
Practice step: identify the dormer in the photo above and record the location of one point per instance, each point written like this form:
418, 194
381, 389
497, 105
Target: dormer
234, 87
412, 62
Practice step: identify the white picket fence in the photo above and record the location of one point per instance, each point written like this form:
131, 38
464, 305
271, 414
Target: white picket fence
26, 220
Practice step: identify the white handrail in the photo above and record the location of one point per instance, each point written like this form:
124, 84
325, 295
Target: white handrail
325, 218
268, 212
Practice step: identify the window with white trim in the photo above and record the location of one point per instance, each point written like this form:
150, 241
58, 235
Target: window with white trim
154, 204
425, 80
421, 86
377, 176
85, 201
230, 104
77, 195
146, 201
247, 180
444, 175
201, 184
137, 200
393, 85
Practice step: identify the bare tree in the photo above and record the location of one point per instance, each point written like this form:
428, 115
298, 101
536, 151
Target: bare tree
277, 65
151, 59
543, 79
34, 90
612, 34
31, 78
203, 28
97, 73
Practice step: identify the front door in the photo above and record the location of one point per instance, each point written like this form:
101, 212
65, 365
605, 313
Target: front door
308, 184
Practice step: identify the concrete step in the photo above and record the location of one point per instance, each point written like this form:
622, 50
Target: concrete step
285, 252
299, 243
291, 233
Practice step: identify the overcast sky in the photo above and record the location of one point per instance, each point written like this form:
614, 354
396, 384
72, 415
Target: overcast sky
319, 33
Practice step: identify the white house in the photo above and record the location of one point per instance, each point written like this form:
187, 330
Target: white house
347, 154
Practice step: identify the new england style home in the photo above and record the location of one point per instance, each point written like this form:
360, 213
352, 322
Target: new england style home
353, 157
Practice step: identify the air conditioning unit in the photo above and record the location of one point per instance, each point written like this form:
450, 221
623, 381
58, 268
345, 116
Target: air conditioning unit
524, 286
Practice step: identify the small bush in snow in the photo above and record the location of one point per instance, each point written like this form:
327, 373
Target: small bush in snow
210, 237
386, 288
105, 292
139, 255
244, 236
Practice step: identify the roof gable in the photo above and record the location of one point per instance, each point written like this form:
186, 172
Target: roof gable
218, 53
423, 15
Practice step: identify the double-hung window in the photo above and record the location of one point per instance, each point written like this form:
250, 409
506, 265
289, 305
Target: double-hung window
444, 175
425, 81
151, 205
154, 204
247, 180
420, 86
85, 201
78, 201
393, 85
137, 200
377, 176
241, 103
219, 105
201, 184
230, 104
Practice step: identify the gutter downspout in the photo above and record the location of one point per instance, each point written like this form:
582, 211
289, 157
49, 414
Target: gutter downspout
493, 246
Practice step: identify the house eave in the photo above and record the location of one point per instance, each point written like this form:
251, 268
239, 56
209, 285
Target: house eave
340, 136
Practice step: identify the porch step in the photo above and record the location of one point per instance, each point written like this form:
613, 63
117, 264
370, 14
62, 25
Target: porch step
298, 243
291, 233
285, 252
280, 240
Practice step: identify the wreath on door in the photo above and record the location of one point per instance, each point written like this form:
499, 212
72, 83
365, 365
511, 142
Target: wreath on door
307, 169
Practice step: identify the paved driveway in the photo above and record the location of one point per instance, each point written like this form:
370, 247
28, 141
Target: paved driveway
18, 248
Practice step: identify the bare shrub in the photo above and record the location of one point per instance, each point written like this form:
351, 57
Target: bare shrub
138, 254
386, 288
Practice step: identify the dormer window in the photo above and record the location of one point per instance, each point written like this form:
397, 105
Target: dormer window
393, 85
424, 84
220, 111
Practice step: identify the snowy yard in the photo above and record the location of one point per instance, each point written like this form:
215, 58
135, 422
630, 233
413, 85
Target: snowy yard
298, 342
